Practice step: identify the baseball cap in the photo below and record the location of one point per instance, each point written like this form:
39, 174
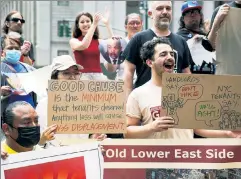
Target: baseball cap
190, 5
63, 62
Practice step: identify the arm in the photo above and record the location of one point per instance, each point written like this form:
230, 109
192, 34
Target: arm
135, 130
218, 133
27, 53
105, 20
75, 44
27, 59
222, 13
129, 70
186, 70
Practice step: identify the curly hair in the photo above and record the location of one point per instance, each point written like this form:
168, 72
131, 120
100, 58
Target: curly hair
77, 32
7, 19
148, 48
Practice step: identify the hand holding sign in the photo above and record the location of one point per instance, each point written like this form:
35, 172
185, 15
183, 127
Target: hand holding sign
162, 123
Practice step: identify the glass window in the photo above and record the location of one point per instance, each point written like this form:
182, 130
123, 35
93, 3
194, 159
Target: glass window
62, 52
63, 3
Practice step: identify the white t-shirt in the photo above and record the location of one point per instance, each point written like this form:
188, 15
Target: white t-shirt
145, 103
42, 110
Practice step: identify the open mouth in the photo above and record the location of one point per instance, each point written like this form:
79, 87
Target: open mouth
169, 64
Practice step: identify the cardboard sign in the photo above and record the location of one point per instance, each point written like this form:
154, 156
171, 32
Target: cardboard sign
65, 162
160, 158
202, 101
86, 106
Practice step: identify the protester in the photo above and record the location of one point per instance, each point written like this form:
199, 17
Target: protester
218, 17
85, 42
22, 130
13, 26
10, 67
161, 13
133, 25
143, 109
63, 68
191, 26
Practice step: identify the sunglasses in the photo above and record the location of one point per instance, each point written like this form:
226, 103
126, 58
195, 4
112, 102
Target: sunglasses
17, 19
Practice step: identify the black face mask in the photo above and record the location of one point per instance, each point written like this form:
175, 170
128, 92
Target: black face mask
27, 136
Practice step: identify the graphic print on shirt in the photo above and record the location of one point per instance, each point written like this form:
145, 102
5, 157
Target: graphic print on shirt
156, 112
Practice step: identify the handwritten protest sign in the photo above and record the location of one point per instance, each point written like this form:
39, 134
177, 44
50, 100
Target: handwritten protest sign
77, 161
202, 101
158, 158
86, 106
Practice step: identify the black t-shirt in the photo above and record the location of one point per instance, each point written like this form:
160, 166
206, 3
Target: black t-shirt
205, 68
232, 4
132, 54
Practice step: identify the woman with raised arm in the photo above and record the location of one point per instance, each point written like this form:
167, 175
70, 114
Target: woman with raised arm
85, 43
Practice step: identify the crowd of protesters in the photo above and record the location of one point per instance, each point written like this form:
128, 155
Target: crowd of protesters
147, 55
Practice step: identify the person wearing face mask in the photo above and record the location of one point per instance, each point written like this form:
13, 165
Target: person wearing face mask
10, 66
144, 115
13, 26
21, 128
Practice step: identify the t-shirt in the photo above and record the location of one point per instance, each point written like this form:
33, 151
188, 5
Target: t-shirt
132, 54
232, 4
228, 48
144, 103
9, 150
205, 68
89, 58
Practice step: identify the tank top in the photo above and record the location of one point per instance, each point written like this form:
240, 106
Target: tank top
89, 58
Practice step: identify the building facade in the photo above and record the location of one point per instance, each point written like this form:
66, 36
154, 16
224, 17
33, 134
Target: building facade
49, 23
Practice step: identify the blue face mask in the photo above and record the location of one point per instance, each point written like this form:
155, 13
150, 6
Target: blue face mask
12, 56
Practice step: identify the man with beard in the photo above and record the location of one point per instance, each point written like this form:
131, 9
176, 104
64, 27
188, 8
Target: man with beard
191, 27
13, 28
161, 13
145, 118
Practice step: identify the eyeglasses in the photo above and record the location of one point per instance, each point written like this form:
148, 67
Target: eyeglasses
132, 23
192, 12
68, 74
17, 19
